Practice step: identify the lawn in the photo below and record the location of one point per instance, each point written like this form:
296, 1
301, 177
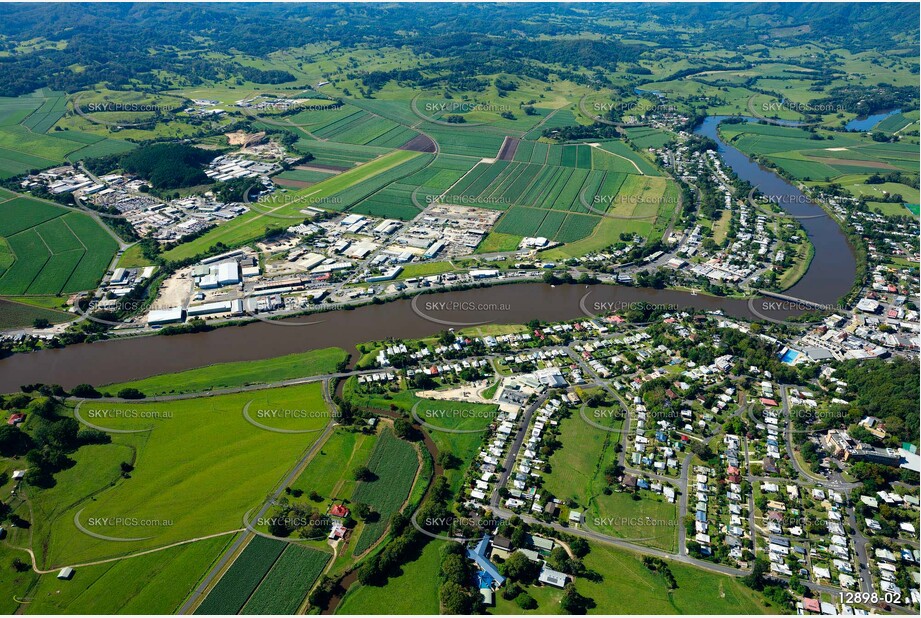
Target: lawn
628, 587
229, 375
201, 466
154, 583
425, 269
497, 242
394, 463
413, 591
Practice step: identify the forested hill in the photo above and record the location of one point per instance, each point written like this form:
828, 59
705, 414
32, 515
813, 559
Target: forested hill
120, 44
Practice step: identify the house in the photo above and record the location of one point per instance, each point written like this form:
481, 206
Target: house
812, 605
339, 511
501, 547
575, 517
552, 578
16, 418
478, 555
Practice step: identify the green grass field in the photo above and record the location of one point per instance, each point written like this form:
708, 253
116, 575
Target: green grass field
229, 375
329, 473
413, 591
148, 584
628, 587
197, 471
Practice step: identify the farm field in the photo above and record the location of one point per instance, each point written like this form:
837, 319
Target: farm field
287, 584
15, 314
26, 139
152, 583
838, 154
50, 249
182, 492
413, 591
395, 464
229, 375
239, 582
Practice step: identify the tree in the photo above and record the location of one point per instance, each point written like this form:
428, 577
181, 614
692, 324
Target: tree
526, 601
40, 323
13, 441
362, 510
131, 393
573, 602
454, 569
84, 390
579, 547
520, 568
454, 599
363, 473
404, 429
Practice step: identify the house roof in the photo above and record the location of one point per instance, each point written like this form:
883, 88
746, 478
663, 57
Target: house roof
478, 555
339, 510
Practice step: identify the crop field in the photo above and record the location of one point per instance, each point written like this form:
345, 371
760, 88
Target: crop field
152, 583
287, 584
19, 315
838, 154
183, 492
470, 141
357, 126
395, 200
243, 577
53, 249
25, 140
395, 464
357, 192
336, 155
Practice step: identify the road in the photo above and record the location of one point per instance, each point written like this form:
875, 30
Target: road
198, 594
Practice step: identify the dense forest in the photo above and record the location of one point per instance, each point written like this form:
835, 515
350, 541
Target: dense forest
887, 390
168, 166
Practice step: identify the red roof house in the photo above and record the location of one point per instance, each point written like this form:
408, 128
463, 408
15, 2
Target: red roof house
339, 510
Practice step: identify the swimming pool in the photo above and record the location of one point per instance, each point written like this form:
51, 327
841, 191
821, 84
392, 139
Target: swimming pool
789, 356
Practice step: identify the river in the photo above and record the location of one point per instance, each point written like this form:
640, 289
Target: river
831, 273
829, 277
